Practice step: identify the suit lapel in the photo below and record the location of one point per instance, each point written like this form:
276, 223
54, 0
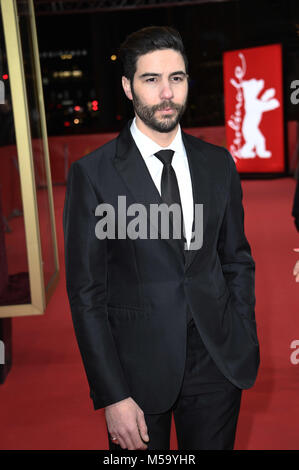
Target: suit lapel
200, 186
131, 166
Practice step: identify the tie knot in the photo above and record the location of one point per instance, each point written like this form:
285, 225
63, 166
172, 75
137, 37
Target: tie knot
165, 156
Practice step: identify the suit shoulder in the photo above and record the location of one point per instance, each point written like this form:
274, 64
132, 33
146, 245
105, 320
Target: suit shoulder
214, 154
207, 146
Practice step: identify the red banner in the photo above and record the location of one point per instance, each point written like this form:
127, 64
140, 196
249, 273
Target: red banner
254, 108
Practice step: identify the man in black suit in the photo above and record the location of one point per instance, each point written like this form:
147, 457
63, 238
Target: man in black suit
164, 323
295, 209
295, 214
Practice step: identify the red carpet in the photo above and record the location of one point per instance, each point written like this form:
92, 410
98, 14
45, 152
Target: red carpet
44, 403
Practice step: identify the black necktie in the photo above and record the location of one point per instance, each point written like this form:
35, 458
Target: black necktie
170, 193
169, 186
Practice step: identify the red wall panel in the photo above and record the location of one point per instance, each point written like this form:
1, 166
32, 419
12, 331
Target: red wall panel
254, 108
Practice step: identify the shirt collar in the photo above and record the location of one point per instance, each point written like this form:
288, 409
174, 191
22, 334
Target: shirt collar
148, 147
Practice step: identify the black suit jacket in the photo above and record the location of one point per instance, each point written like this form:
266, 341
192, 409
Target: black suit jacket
129, 298
295, 209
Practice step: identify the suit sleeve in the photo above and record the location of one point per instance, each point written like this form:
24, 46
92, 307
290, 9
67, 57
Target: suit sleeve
233, 248
86, 283
295, 209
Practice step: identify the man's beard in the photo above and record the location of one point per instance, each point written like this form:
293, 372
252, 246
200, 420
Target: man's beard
147, 114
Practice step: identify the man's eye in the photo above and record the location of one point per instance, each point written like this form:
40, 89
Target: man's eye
178, 78
152, 79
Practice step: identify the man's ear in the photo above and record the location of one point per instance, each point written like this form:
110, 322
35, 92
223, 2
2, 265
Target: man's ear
126, 83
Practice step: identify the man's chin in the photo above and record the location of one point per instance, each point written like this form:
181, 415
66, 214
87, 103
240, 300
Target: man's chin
165, 124
164, 129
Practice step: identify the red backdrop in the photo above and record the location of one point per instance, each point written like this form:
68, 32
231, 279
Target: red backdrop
254, 108
66, 149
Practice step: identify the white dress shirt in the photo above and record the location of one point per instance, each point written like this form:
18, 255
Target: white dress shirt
148, 148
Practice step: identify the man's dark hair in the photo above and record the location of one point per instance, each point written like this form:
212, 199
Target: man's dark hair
149, 39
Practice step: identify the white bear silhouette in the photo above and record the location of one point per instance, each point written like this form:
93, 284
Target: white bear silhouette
254, 108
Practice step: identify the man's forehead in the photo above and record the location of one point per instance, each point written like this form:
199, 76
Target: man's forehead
161, 60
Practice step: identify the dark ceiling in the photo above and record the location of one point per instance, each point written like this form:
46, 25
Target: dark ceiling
58, 7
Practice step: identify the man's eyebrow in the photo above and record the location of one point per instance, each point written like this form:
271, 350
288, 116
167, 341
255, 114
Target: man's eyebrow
179, 72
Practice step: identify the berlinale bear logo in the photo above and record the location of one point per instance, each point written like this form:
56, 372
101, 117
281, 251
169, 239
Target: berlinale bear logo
246, 126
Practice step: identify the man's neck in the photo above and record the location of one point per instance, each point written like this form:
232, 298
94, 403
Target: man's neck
161, 138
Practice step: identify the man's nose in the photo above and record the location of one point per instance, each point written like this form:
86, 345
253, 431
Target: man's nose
166, 91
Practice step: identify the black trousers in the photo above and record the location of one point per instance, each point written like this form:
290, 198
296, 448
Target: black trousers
206, 410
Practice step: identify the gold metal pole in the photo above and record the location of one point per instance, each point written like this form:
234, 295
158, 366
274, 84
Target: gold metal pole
25, 159
55, 277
